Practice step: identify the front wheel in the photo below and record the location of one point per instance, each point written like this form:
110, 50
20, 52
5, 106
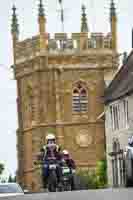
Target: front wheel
52, 182
67, 187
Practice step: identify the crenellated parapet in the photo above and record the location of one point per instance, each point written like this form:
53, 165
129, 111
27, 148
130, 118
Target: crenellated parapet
62, 42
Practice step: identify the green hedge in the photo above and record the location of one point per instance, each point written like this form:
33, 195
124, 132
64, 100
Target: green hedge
94, 179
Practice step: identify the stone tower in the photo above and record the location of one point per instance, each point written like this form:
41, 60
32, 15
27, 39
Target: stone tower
60, 84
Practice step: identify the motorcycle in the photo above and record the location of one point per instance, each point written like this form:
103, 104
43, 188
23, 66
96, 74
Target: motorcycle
52, 179
66, 178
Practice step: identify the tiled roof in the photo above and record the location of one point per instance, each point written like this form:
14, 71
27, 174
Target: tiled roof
122, 84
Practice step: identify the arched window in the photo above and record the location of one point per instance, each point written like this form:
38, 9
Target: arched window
80, 100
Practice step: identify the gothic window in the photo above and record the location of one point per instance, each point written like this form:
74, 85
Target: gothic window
80, 100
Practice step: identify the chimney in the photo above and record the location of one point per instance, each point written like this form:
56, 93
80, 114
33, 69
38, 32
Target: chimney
124, 58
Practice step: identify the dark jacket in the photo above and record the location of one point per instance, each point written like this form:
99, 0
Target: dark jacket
70, 163
51, 152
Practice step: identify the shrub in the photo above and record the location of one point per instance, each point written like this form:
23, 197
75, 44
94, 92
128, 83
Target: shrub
94, 179
101, 173
87, 179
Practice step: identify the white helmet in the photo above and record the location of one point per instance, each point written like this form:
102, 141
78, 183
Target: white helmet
65, 152
50, 137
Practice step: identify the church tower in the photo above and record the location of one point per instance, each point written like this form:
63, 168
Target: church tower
60, 84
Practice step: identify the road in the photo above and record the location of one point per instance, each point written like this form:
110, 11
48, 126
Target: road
108, 194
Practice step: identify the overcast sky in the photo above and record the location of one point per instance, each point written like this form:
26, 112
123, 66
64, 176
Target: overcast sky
98, 21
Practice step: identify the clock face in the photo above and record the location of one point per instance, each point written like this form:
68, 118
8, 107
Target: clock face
83, 139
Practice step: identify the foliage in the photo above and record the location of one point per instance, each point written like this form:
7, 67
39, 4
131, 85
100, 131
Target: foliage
1, 168
11, 179
3, 180
87, 179
101, 173
94, 179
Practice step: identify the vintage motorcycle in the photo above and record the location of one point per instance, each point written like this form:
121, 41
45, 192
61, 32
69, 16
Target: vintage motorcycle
52, 179
66, 178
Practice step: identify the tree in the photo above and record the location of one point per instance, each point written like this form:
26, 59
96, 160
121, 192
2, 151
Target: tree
1, 168
11, 179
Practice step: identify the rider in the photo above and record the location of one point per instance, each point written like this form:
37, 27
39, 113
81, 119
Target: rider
69, 161
71, 164
50, 151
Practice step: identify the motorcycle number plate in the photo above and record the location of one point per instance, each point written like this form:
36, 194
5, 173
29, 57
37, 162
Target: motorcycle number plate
52, 166
65, 178
66, 170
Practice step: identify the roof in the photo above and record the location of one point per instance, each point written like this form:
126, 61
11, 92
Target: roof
122, 84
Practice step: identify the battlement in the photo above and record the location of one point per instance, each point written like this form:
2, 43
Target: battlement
63, 42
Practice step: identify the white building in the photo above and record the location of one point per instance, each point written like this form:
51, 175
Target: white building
119, 121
